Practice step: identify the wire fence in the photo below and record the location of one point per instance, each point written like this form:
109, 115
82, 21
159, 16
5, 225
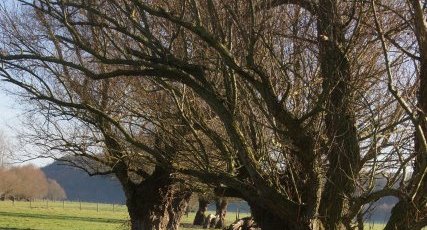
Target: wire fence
75, 205
236, 210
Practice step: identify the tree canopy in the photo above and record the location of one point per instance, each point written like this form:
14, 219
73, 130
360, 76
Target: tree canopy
298, 107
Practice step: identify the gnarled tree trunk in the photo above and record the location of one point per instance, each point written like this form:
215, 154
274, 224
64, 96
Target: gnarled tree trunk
157, 203
402, 215
178, 208
268, 220
343, 153
221, 210
200, 214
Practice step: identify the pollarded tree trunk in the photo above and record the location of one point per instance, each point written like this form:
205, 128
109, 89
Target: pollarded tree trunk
147, 204
200, 214
178, 208
135, 213
268, 220
221, 210
343, 153
157, 203
402, 216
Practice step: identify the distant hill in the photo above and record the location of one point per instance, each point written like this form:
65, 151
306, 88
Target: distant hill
380, 214
78, 185
382, 209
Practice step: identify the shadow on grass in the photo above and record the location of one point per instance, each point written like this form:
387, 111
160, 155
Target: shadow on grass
186, 225
8, 228
58, 217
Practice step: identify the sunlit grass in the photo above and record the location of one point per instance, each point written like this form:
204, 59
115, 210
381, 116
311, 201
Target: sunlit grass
39, 215
58, 215
44, 215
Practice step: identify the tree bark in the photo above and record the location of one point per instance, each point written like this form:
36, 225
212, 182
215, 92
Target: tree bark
200, 214
178, 208
221, 210
157, 203
343, 153
268, 220
401, 217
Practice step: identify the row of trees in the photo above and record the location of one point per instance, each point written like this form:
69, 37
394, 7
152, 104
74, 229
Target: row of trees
297, 107
28, 182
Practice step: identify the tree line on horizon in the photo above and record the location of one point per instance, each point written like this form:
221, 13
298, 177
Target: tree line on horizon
297, 107
28, 183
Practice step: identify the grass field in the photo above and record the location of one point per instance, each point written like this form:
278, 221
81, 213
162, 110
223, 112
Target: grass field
82, 216
58, 215
69, 216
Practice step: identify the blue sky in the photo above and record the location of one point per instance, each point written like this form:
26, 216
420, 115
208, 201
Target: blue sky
11, 109
8, 114
11, 114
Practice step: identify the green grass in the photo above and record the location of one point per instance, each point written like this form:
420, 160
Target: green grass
69, 216
39, 215
374, 226
52, 215
377, 226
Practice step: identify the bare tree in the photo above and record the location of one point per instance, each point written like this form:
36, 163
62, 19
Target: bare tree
281, 103
410, 211
25, 182
200, 213
55, 191
31, 183
221, 204
7, 184
99, 120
